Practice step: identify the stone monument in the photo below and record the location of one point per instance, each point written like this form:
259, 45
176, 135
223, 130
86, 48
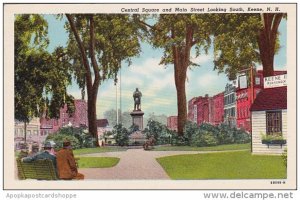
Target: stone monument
137, 113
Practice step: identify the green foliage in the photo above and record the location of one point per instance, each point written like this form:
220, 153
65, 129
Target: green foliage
121, 135
225, 134
274, 136
284, 157
191, 129
209, 135
241, 137
78, 136
59, 138
41, 77
203, 139
159, 131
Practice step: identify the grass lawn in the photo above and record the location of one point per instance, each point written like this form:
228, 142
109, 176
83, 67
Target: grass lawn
98, 150
214, 148
97, 162
228, 165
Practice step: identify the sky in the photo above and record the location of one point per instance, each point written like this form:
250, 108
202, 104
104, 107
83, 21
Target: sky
156, 82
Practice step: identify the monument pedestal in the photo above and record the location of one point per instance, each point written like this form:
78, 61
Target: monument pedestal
137, 118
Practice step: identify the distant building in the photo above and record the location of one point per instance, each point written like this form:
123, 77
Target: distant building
203, 105
32, 133
192, 110
230, 105
102, 127
172, 123
206, 109
77, 119
217, 109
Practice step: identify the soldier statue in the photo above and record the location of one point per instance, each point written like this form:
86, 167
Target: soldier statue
137, 99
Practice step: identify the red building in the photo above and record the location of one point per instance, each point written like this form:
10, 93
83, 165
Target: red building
217, 109
243, 99
172, 123
77, 119
203, 109
207, 109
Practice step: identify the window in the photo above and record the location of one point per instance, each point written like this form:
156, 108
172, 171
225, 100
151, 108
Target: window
257, 80
273, 122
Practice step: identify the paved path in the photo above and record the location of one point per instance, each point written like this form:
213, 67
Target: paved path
133, 164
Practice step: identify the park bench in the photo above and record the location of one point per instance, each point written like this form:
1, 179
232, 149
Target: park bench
38, 169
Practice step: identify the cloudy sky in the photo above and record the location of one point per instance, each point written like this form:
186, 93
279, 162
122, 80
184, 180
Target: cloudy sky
156, 82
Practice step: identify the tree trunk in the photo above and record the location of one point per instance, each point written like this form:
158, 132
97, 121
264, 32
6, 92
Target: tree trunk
25, 132
92, 117
181, 105
267, 41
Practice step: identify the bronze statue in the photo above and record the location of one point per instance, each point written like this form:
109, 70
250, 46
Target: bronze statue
137, 99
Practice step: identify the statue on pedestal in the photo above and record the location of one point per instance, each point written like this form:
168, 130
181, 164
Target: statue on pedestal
137, 99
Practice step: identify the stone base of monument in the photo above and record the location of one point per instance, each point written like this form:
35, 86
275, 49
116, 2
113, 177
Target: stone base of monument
137, 118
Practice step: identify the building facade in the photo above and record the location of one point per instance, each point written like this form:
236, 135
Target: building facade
230, 105
172, 123
192, 110
32, 133
77, 119
269, 118
217, 109
245, 98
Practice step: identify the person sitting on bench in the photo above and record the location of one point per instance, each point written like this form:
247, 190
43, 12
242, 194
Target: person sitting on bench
66, 164
46, 154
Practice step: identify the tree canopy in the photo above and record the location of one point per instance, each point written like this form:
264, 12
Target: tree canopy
97, 45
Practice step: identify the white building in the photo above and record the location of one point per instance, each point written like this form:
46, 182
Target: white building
32, 133
269, 118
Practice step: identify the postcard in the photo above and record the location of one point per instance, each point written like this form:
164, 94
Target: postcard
150, 96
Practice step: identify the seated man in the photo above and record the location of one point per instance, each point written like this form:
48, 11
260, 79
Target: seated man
66, 164
46, 154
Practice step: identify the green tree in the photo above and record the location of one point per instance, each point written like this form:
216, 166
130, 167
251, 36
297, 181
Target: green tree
98, 43
177, 35
40, 77
244, 39
121, 135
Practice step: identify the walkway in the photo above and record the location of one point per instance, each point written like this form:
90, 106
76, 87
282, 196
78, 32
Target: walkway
133, 164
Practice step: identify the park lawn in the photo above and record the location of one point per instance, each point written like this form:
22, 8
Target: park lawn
98, 150
97, 162
224, 147
224, 165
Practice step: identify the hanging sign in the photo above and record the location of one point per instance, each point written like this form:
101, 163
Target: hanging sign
275, 81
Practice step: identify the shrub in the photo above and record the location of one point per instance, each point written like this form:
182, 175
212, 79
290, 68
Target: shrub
190, 129
284, 157
59, 138
121, 135
204, 138
179, 140
159, 131
225, 134
241, 136
84, 139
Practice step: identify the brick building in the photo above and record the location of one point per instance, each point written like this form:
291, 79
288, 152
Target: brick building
207, 109
77, 119
243, 99
172, 123
217, 109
